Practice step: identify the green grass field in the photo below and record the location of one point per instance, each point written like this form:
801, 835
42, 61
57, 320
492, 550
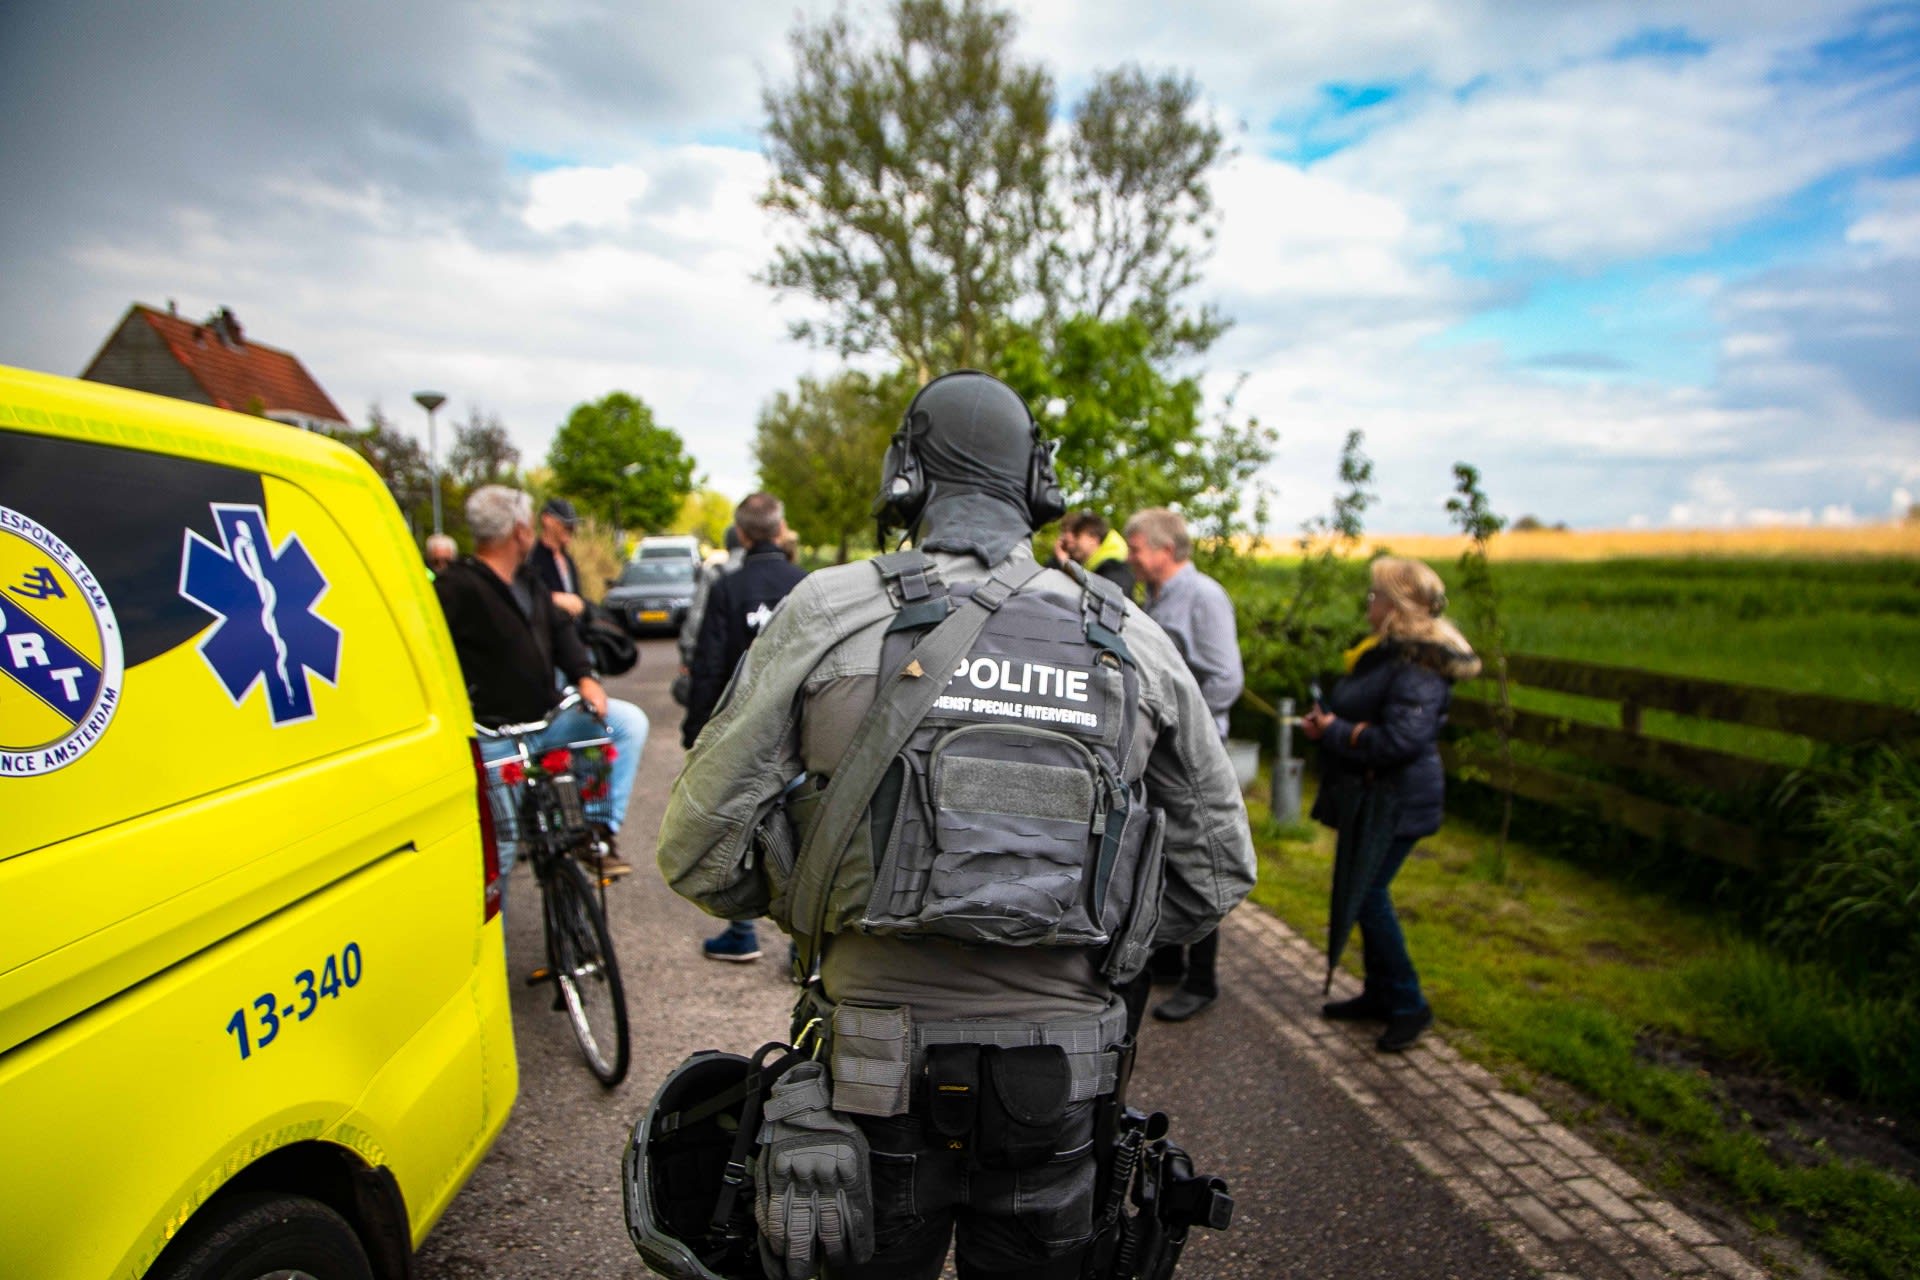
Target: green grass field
1842, 627
1848, 628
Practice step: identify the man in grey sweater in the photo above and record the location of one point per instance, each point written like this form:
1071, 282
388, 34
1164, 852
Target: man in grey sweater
1197, 616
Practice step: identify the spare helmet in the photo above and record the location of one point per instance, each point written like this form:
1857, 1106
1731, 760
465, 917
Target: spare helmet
673, 1171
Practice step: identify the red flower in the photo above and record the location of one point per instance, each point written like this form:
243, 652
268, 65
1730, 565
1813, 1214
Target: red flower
612, 752
556, 760
512, 773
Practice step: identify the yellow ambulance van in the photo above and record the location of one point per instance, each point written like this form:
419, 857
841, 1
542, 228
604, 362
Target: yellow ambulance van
253, 1004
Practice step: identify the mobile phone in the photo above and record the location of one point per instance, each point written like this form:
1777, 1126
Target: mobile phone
1313, 693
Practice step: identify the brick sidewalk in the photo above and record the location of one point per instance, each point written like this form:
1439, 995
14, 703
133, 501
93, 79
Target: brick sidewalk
1564, 1208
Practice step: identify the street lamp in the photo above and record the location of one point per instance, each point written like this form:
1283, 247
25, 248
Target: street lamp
431, 400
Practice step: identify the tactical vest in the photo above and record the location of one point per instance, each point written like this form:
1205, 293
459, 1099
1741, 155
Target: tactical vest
1015, 813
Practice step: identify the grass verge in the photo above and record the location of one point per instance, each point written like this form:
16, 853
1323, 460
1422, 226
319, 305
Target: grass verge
1662, 1015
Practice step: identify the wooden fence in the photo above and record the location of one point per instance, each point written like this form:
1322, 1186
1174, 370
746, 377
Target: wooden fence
1823, 719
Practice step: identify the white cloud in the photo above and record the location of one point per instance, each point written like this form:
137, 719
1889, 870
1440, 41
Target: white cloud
596, 199
1892, 229
530, 208
665, 308
1614, 159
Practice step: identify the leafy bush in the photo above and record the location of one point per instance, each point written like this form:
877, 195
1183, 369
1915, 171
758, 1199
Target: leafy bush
1854, 900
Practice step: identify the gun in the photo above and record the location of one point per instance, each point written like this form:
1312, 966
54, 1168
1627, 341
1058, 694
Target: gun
1169, 1200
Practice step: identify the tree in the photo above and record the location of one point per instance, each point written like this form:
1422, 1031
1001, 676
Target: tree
1136, 209
1327, 542
1475, 516
483, 452
1288, 642
1132, 435
820, 448
400, 462
916, 172
705, 514
611, 458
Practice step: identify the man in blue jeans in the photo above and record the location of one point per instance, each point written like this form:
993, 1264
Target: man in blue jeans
510, 638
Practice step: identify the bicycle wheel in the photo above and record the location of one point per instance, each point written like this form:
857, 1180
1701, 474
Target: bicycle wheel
584, 968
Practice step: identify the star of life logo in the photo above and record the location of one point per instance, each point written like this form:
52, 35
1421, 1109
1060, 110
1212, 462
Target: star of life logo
61, 661
268, 633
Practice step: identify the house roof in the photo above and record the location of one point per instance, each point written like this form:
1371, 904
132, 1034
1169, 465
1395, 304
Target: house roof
237, 372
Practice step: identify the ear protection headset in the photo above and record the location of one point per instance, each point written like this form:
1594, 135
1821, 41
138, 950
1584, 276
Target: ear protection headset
904, 490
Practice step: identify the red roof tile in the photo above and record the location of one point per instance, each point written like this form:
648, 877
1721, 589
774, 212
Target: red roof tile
246, 375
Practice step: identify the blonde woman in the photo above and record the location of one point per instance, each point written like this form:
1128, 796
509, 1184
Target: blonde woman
1382, 722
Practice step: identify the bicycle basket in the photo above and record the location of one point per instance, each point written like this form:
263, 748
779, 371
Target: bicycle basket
578, 778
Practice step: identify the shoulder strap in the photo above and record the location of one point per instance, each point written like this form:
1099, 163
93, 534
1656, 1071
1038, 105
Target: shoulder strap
915, 582
1106, 611
902, 702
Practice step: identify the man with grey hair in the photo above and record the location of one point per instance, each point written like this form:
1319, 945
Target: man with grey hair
510, 636
739, 606
1197, 615
441, 552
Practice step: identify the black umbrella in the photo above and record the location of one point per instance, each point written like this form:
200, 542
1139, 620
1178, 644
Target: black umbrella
1365, 812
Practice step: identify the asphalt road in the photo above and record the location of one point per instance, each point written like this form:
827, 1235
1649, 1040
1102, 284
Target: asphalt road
1319, 1190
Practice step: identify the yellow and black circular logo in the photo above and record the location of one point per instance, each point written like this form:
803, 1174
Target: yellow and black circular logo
60, 657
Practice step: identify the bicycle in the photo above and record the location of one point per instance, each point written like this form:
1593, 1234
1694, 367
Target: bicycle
538, 800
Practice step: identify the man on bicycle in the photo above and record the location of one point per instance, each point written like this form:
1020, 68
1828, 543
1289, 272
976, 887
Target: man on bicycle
510, 637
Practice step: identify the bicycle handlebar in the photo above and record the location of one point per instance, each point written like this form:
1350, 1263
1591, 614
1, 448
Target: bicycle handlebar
531, 727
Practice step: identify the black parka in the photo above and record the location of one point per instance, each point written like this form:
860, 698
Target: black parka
1400, 692
738, 605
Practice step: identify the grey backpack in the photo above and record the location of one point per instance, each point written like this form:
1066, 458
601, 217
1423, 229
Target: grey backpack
992, 795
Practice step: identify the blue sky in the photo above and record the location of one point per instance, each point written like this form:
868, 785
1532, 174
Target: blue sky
1643, 263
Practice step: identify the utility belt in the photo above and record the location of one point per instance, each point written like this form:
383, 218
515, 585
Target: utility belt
877, 1053
998, 1088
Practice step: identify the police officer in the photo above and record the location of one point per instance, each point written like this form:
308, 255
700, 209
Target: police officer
1046, 809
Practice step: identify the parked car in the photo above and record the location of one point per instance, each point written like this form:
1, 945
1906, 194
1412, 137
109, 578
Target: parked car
651, 595
669, 547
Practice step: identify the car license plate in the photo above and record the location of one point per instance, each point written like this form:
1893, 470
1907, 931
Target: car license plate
653, 615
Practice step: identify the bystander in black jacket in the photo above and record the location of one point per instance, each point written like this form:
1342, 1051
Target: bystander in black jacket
1400, 691
738, 606
547, 567
509, 641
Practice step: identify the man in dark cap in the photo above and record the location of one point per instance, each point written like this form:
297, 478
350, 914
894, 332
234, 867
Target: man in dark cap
551, 560
961, 781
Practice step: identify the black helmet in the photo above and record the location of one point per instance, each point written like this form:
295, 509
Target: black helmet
967, 432
673, 1170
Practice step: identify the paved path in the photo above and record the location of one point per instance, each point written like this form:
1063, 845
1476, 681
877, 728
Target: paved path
1343, 1162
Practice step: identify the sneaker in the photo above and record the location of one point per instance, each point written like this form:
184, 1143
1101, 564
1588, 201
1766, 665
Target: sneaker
736, 947
1362, 1008
1182, 1005
1403, 1030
